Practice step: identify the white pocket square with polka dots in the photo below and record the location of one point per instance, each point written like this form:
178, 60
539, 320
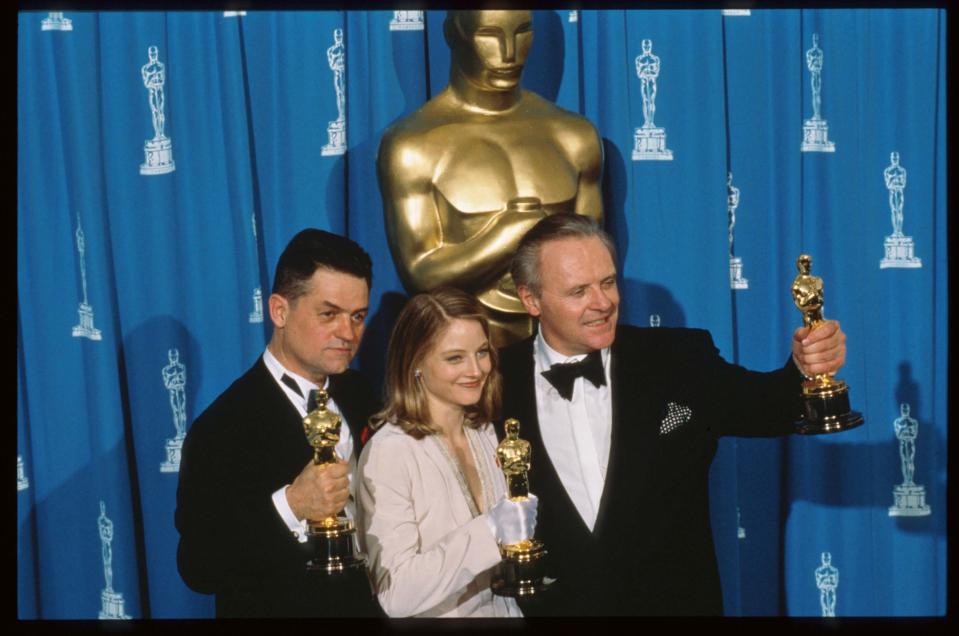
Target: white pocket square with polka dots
676, 416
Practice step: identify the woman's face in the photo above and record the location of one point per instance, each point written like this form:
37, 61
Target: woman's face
455, 370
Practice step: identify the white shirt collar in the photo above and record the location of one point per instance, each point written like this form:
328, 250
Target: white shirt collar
277, 370
576, 432
548, 356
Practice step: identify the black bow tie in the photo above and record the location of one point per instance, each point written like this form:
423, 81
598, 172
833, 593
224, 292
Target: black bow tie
290, 382
562, 375
310, 399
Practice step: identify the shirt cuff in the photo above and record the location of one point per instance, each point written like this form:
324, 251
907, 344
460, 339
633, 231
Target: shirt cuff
297, 527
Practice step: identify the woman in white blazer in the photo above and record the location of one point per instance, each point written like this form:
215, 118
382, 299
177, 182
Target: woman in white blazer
431, 499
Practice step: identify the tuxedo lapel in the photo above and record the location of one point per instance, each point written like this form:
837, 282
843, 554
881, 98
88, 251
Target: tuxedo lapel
274, 404
281, 417
518, 372
280, 426
544, 479
633, 437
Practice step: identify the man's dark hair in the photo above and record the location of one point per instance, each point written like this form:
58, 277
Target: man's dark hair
312, 249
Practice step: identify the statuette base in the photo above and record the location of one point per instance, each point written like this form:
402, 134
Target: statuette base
159, 157
521, 573
336, 132
910, 502
406, 26
899, 253
86, 329
333, 547
736, 280
56, 24
826, 408
650, 144
815, 133
173, 448
112, 606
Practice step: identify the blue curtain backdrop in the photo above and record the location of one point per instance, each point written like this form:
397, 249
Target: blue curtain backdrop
140, 296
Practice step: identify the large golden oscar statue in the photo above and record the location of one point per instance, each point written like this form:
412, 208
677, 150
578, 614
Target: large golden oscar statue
465, 176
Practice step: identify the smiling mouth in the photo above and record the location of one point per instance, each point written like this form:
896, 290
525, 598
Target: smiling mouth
598, 322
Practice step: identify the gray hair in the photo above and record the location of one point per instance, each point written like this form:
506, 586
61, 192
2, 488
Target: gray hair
525, 268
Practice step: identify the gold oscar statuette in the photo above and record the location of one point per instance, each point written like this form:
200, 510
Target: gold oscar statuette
331, 540
522, 571
825, 399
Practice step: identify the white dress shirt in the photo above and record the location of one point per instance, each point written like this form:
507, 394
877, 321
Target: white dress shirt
575, 432
344, 448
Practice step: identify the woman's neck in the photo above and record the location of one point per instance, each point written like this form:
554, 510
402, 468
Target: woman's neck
447, 420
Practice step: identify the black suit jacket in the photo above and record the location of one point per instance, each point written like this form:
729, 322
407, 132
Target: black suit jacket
651, 550
246, 445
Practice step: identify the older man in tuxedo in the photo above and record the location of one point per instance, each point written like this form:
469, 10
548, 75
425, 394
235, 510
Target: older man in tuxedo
624, 424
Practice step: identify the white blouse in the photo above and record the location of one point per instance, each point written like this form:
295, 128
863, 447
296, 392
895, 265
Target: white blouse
431, 552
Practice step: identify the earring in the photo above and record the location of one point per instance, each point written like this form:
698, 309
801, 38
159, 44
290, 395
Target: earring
417, 374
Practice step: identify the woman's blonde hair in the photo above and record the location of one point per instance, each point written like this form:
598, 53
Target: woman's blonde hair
419, 326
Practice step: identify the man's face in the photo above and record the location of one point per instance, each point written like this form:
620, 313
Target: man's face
579, 303
317, 334
491, 47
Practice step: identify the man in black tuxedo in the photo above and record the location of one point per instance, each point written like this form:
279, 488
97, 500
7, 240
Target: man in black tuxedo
622, 442
247, 480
